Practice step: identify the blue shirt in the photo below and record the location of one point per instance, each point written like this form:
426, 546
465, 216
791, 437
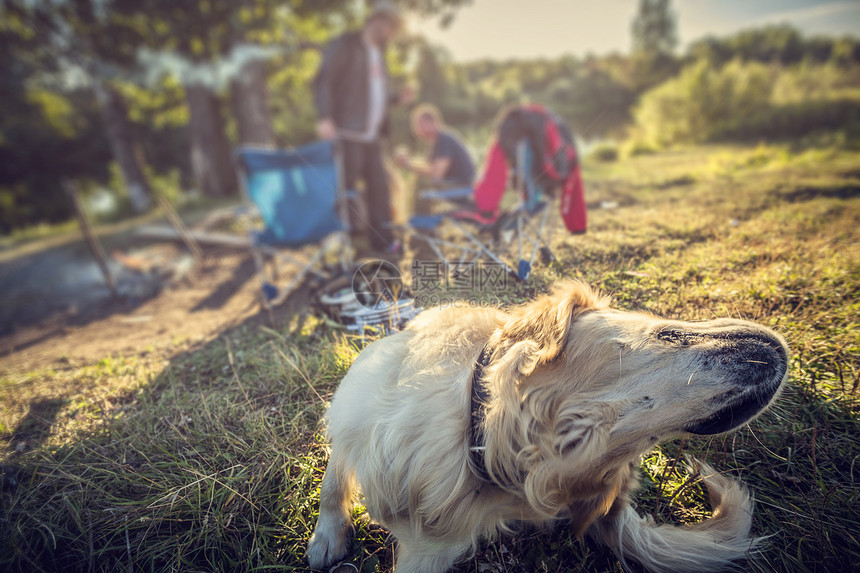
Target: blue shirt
461, 170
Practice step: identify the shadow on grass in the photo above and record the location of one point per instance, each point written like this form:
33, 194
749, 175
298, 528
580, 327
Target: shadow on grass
199, 468
242, 273
35, 427
60, 288
810, 193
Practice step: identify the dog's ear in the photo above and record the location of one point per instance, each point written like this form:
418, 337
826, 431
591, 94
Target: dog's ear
580, 431
536, 333
562, 468
612, 497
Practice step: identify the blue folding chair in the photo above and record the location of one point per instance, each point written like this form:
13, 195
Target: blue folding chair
301, 201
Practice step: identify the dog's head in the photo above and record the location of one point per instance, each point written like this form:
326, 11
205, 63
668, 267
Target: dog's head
592, 388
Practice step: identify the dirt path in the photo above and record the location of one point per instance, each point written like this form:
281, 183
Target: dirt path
55, 308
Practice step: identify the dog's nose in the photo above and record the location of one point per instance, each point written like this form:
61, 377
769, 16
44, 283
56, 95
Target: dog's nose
762, 360
747, 348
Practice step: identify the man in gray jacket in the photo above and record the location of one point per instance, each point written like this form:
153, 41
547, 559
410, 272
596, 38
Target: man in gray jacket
351, 96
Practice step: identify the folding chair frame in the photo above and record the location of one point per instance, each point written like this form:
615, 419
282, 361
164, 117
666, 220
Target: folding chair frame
539, 238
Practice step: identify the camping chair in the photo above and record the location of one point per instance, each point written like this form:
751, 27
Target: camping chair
535, 147
299, 196
487, 235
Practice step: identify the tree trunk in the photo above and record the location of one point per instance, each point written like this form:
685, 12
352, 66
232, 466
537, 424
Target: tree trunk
251, 105
124, 147
211, 159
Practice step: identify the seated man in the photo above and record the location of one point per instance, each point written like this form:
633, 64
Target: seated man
449, 164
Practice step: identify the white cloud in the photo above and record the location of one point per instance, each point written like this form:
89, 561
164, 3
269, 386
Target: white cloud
813, 12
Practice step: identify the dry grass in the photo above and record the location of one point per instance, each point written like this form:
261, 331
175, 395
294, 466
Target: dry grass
208, 457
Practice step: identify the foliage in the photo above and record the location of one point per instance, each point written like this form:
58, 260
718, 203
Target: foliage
655, 28
604, 152
51, 52
593, 95
775, 44
693, 106
748, 100
636, 145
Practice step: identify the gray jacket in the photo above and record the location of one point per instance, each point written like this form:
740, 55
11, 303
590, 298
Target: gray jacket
341, 84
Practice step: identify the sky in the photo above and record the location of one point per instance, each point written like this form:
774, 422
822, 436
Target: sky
530, 28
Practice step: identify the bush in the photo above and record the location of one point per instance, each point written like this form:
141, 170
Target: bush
694, 105
604, 152
809, 82
748, 101
636, 145
792, 120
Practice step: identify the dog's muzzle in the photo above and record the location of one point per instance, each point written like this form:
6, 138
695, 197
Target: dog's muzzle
753, 358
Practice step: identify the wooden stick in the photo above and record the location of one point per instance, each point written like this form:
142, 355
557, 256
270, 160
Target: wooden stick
92, 241
165, 232
183, 232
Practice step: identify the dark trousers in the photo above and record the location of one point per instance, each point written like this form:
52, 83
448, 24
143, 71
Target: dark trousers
362, 161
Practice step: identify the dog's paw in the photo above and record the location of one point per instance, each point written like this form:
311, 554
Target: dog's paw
328, 543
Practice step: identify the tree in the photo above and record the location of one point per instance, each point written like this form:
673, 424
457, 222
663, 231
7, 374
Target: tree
84, 33
195, 35
211, 161
654, 40
228, 43
51, 129
251, 105
78, 34
655, 29
124, 145
429, 73
772, 44
213, 44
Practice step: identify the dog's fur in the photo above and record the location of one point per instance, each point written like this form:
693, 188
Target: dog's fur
577, 393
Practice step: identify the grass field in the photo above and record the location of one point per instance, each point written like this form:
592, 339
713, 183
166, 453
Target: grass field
208, 457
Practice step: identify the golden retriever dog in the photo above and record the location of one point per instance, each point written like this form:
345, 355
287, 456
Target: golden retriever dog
471, 419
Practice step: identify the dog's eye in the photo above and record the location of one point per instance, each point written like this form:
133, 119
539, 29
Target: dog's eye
669, 335
674, 336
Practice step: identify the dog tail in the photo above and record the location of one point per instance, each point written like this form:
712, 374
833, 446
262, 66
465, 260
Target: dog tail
712, 545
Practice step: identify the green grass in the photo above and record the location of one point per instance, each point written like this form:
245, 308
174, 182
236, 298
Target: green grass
208, 456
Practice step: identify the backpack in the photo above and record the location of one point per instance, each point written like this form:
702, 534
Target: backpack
557, 167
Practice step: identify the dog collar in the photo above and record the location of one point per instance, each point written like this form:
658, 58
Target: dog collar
480, 396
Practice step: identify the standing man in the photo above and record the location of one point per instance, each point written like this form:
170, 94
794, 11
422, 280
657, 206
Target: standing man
351, 96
